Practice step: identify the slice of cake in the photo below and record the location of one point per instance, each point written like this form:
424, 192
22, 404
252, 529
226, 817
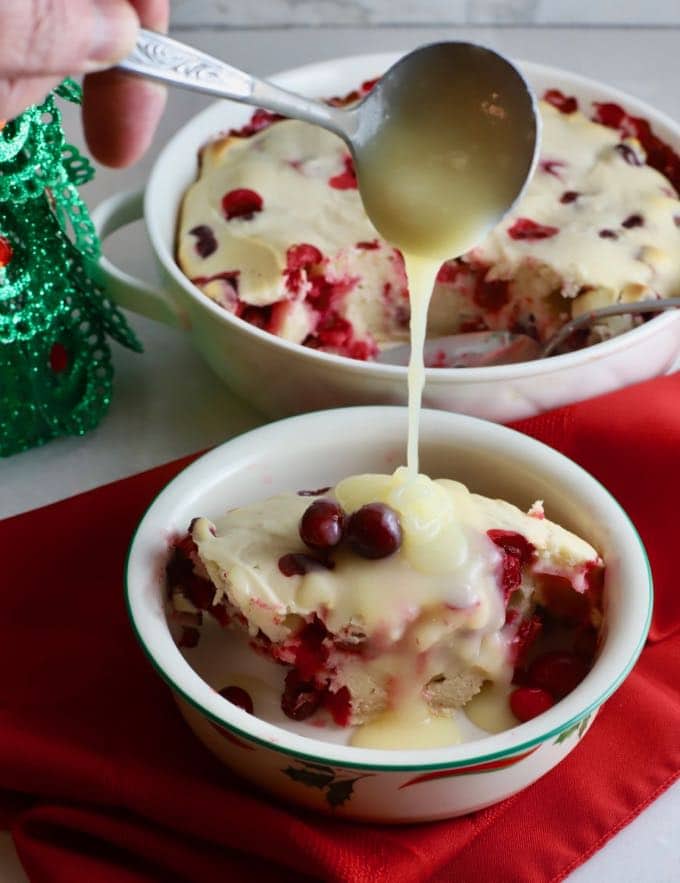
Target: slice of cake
274, 231
392, 590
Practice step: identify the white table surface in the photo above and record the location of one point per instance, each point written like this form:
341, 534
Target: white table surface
167, 403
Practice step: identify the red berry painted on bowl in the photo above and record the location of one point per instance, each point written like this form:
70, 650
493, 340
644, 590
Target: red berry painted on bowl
527, 703
374, 531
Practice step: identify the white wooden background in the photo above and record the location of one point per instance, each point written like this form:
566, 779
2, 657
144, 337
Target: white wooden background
301, 13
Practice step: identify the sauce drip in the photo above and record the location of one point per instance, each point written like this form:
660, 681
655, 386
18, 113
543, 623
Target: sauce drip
435, 176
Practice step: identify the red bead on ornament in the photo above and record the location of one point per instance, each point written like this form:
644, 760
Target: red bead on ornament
6, 252
59, 358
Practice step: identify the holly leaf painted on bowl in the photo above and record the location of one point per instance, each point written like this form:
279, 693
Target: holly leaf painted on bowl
565, 734
579, 728
309, 777
340, 792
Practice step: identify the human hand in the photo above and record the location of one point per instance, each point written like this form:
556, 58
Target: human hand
42, 41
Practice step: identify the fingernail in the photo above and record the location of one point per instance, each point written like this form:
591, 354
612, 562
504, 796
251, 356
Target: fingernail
114, 30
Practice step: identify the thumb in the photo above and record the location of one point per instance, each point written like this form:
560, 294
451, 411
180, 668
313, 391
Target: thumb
57, 37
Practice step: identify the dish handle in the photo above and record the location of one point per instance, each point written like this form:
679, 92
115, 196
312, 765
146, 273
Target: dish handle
127, 291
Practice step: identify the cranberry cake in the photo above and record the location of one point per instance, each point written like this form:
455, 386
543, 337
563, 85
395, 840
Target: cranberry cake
274, 231
391, 592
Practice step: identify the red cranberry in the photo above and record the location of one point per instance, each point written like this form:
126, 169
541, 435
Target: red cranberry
322, 525
562, 601
261, 119
300, 699
585, 643
513, 542
491, 294
659, 155
6, 252
374, 531
241, 203
607, 234
448, 272
517, 551
346, 180
260, 317
301, 256
528, 702
526, 229
526, 634
569, 196
206, 244
340, 706
563, 103
334, 331
609, 114
297, 564
311, 653
238, 696
552, 166
633, 221
558, 672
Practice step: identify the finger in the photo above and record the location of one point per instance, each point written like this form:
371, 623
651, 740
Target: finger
17, 95
120, 112
59, 37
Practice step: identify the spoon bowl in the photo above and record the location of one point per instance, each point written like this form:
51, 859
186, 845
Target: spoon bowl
443, 144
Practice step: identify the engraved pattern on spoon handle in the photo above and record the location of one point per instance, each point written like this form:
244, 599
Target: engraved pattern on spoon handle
161, 58
169, 61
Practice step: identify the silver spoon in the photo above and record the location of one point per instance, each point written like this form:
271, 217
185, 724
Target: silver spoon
480, 348
448, 136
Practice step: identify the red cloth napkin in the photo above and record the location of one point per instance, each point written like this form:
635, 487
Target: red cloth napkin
102, 781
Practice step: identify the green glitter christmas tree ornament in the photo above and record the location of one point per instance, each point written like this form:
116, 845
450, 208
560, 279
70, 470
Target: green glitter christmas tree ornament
55, 363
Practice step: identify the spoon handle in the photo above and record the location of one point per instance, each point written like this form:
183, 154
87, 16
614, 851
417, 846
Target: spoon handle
643, 306
161, 58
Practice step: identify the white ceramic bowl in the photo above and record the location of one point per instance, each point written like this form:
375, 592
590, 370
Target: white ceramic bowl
281, 378
318, 449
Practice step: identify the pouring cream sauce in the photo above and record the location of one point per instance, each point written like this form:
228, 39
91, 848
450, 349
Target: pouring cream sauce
435, 178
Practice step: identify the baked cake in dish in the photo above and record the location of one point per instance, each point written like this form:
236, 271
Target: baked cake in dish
274, 231
393, 591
